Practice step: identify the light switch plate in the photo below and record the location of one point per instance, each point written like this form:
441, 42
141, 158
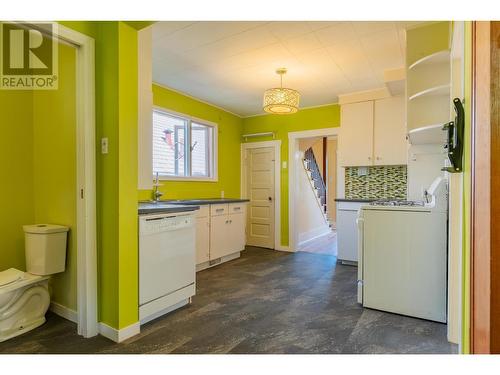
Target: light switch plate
283, 165
104, 145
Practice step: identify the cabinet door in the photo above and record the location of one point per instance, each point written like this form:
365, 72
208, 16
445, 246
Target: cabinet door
356, 134
219, 236
389, 133
237, 232
202, 240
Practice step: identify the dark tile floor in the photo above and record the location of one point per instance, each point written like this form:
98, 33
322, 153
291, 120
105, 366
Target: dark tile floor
264, 302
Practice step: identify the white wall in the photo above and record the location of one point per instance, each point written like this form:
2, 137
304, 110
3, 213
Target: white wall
424, 165
311, 222
455, 199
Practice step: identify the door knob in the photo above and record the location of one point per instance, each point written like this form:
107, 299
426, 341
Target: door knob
270, 199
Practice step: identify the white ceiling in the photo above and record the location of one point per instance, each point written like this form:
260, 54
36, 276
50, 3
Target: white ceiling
230, 64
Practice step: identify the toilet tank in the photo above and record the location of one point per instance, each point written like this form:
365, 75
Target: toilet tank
45, 248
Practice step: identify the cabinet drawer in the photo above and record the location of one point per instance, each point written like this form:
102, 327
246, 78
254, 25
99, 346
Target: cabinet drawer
203, 212
236, 208
218, 209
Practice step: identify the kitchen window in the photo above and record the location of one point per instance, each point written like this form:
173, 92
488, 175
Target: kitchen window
183, 147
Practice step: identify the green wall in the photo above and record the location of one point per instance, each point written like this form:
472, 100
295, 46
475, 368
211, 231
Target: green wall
229, 139
427, 40
116, 119
16, 187
306, 119
38, 159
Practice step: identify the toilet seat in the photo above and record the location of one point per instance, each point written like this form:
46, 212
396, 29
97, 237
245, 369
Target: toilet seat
12, 279
10, 276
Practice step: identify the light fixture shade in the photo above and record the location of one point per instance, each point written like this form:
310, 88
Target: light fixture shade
281, 101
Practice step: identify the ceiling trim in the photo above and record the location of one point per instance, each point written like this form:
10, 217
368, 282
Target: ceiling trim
364, 95
197, 99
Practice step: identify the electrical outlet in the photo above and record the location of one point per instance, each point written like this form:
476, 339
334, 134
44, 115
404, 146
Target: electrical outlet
104, 145
283, 165
362, 171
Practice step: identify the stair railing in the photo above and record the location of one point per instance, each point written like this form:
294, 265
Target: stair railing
318, 181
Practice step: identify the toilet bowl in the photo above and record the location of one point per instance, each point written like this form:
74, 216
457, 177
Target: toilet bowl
24, 296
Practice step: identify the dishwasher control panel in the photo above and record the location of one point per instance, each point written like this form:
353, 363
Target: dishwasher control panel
158, 224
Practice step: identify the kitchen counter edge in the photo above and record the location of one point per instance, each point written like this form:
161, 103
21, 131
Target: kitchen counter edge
204, 201
146, 209
360, 200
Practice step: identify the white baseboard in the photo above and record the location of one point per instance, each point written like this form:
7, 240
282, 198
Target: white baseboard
284, 248
313, 234
119, 335
64, 312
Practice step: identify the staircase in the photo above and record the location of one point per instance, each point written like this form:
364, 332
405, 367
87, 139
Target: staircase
317, 182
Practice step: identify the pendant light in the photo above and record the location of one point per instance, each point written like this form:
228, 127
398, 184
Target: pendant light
282, 100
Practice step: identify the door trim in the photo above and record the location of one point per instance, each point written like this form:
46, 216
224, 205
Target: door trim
293, 162
86, 180
277, 183
481, 204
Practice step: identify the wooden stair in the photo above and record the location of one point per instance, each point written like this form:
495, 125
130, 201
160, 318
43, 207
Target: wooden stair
317, 182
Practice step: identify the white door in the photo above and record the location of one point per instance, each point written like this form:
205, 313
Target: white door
389, 132
260, 191
356, 134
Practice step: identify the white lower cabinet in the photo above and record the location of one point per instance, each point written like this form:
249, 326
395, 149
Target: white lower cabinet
203, 235
220, 233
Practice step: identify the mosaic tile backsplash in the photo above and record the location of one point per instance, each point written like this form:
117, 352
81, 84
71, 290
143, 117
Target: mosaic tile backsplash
379, 182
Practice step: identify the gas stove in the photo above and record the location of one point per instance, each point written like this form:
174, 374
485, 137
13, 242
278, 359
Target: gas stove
397, 202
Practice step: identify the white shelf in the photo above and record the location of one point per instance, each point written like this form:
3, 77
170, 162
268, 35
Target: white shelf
431, 134
432, 91
435, 58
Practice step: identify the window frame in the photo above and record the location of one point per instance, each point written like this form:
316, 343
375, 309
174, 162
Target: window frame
190, 119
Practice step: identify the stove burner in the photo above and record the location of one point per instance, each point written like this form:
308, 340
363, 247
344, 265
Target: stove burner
397, 202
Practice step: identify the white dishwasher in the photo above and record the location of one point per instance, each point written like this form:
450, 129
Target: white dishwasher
166, 263
347, 231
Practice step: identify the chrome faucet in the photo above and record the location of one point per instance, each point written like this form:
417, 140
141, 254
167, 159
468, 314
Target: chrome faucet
156, 193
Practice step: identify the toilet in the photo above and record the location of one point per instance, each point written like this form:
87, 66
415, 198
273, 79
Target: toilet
24, 296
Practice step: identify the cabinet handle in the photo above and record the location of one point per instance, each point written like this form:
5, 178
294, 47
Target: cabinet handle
378, 158
236, 208
369, 158
219, 210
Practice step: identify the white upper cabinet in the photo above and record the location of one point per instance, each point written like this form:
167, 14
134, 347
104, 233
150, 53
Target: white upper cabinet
389, 132
373, 133
356, 134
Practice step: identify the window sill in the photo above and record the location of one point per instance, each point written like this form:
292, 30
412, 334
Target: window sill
187, 179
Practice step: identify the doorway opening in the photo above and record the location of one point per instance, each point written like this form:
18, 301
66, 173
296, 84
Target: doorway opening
313, 181
317, 190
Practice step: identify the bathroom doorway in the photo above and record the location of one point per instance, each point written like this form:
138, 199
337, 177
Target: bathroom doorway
67, 145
